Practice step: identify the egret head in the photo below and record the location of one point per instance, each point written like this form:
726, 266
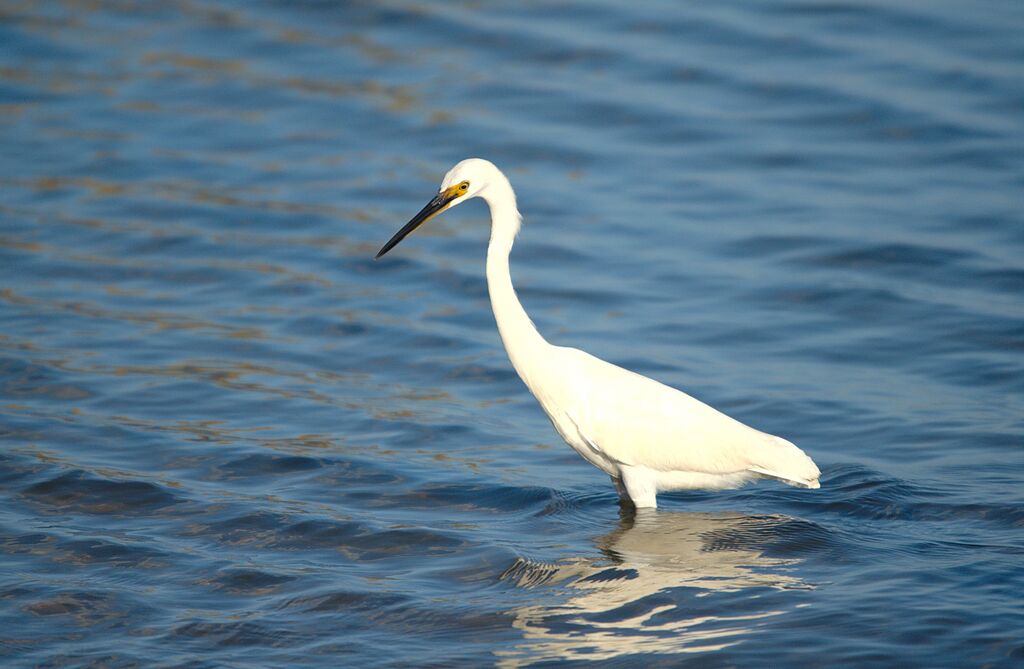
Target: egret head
470, 178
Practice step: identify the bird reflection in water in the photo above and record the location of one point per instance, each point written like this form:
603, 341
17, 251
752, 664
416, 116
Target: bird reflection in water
614, 606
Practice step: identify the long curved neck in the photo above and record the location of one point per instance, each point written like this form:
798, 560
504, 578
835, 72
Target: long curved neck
522, 341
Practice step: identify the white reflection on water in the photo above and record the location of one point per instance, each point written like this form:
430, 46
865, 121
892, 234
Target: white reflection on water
649, 552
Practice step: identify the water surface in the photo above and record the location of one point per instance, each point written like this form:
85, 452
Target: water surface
230, 438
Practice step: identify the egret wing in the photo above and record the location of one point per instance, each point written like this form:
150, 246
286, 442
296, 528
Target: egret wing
639, 421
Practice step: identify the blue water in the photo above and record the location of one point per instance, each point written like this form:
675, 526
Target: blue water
232, 439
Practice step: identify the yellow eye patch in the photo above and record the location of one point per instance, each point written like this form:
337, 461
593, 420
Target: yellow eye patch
458, 190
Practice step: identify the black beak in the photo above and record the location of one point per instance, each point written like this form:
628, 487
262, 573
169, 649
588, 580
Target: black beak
433, 207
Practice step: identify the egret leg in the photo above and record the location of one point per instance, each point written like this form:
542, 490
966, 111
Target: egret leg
621, 489
641, 485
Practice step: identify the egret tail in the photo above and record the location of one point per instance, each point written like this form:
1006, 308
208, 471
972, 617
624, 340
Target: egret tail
782, 460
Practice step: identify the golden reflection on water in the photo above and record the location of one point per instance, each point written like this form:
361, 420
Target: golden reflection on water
649, 552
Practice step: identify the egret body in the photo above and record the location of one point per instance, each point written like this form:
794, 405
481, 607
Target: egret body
647, 436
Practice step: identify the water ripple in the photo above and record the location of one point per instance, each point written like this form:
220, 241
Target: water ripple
232, 438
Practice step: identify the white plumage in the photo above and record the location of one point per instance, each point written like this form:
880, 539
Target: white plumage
647, 436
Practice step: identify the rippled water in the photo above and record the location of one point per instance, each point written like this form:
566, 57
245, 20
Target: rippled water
230, 438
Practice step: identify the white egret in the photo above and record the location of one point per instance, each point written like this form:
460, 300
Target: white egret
647, 436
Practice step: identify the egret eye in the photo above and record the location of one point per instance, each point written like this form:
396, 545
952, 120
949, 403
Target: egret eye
464, 186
